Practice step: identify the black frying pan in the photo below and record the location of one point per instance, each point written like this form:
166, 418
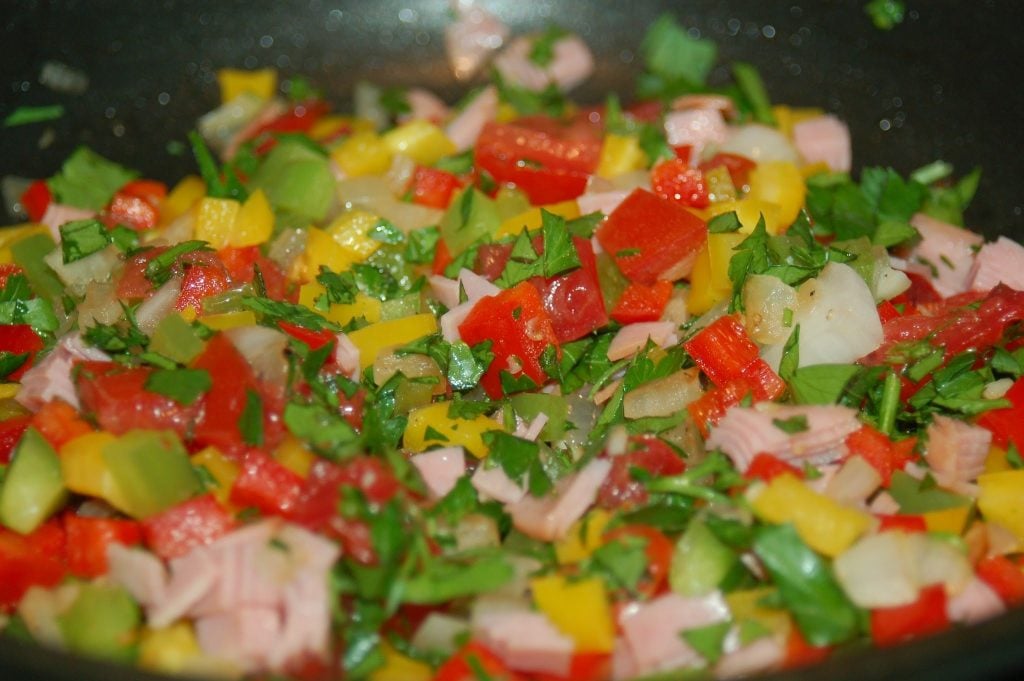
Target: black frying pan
943, 85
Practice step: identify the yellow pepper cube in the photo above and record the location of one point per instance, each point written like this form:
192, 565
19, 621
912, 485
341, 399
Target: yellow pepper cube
949, 520
295, 456
9, 390
446, 431
170, 650
364, 306
373, 339
420, 140
223, 470
781, 183
579, 609
996, 460
825, 525
323, 251
531, 219
351, 231
747, 605
620, 154
181, 198
749, 211
229, 320
399, 667
1001, 499
585, 536
215, 218
233, 82
721, 248
362, 153
330, 126
85, 471
702, 294
254, 222
786, 117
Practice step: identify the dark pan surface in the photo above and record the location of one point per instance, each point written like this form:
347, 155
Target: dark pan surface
943, 85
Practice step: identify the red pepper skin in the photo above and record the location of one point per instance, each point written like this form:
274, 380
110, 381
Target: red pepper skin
675, 180
652, 238
442, 258
887, 311
18, 339
179, 529
903, 523
800, 653
1004, 576
926, 615
36, 199
583, 667
707, 409
88, 539
884, 455
241, 264
433, 187
642, 303
739, 167
11, 430
645, 452
520, 329
266, 485
300, 118
314, 339
1007, 425
36, 559
725, 353
766, 466
466, 663
59, 422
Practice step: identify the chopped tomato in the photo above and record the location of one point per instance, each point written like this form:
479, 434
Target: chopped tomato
11, 430
59, 422
647, 453
19, 339
520, 330
88, 539
921, 292
887, 311
884, 455
131, 211
133, 283
739, 167
491, 259
473, 662
573, 300
583, 667
433, 187
926, 615
1007, 424
766, 466
652, 238
265, 484
241, 265
152, 191
1004, 576
646, 111
179, 529
201, 282
675, 180
658, 551
901, 522
8, 270
36, 559
642, 303
300, 118
442, 258
36, 199
725, 352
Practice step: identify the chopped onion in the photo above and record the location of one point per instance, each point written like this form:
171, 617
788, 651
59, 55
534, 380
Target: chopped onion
675, 311
766, 300
476, 531
179, 229
373, 193
79, 274
878, 571
439, 633
100, 305
287, 246
366, 104
837, 317
760, 143
400, 174
617, 441
60, 77
663, 396
219, 127
158, 306
264, 349
634, 179
854, 482
41, 609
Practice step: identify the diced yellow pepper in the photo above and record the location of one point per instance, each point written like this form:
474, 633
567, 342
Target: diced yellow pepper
781, 183
169, 650
749, 211
531, 219
364, 306
295, 456
229, 320
9, 390
351, 231
373, 339
709, 279
996, 460
786, 117
822, 523
11, 235
721, 248
1001, 499
222, 469
85, 471
322, 251
399, 667
181, 198
506, 113
701, 297
747, 605
585, 536
950, 520
233, 82
215, 218
420, 140
328, 126
467, 433
362, 153
578, 608
254, 222
620, 154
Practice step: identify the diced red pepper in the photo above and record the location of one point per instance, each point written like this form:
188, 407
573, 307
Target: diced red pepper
800, 653
683, 152
266, 485
1007, 425
300, 118
707, 409
433, 187
926, 615
241, 264
442, 258
647, 453
520, 330
725, 352
675, 180
195, 522
473, 662
884, 455
652, 238
11, 430
36, 200
1004, 576
58, 422
314, 339
887, 311
642, 302
88, 539
36, 559
131, 211
583, 667
19, 339
921, 292
739, 167
573, 300
152, 191
658, 551
201, 282
766, 466
901, 522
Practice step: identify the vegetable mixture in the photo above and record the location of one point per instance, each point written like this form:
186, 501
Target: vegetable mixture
507, 389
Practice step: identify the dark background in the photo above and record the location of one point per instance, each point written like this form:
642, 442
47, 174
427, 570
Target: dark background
945, 84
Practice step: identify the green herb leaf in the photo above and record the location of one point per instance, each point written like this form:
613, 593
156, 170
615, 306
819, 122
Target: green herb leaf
792, 425
515, 455
327, 431
250, 423
724, 224
464, 369
159, 269
445, 579
184, 386
82, 238
24, 115
821, 383
752, 88
790, 361
670, 52
87, 180
543, 49
624, 560
422, 245
275, 310
386, 232
11, 362
708, 640
559, 251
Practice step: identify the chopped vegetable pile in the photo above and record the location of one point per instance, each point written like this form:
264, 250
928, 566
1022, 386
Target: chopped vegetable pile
507, 389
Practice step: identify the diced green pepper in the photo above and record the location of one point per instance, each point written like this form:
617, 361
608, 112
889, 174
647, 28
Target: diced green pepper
33, 488
528, 405
28, 254
152, 470
700, 562
175, 339
471, 216
297, 179
102, 622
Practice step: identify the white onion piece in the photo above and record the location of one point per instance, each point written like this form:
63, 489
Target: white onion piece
854, 482
219, 127
406, 216
760, 143
287, 246
675, 310
40, 609
100, 305
366, 104
766, 299
886, 281
444, 289
179, 229
837, 317
663, 396
878, 572
359, 191
158, 306
400, 174
264, 349
439, 632
79, 274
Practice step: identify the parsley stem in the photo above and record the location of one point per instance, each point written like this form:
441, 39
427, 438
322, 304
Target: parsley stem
680, 484
890, 403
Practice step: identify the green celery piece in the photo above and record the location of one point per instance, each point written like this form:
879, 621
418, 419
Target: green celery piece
528, 405
28, 254
152, 470
470, 217
700, 562
175, 339
33, 488
915, 498
297, 179
103, 622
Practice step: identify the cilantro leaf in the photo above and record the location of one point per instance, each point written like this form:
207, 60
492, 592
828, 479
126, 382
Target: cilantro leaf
328, 432
750, 85
464, 368
11, 362
250, 423
708, 640
24, 115
559, 251
821, 383
515, 455
159, 269
275, 310
445, 579
792, 425
671, 53
386, 232
87, 180
724, 223
422, 245
82, 238
184, 386
543, 49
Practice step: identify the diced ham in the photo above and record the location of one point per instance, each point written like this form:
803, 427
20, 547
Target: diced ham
441, 469
140, 572
652, 629
1001, 261
623, 664
606, 202
424, 105
948, 251
492, 483
464, 129
526, 641
605, 393
192, 577
306, 608
956, 450
824, 139
57, 214
472, 38
721, 103
451, 320
696, 127
549, 517
531, 430
346, 354
444, 289
243, 636
744, 432
631, 338
975, 603
475, 286
570, 65
51, 378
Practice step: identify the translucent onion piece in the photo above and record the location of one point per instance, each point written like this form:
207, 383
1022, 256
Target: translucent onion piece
158, 306
79, 274
766, 299
663, 396
854, 482
760, 143
439, 633
837, 317
264, 349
